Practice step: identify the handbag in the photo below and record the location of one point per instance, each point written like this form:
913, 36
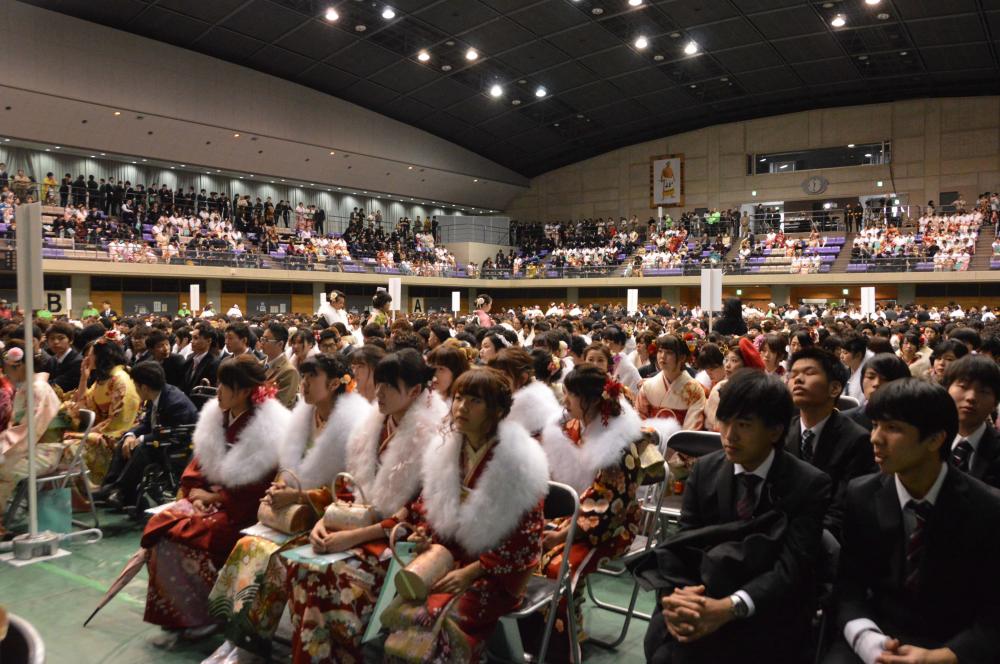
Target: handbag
414, 581
417, 645
290, 519
344, 515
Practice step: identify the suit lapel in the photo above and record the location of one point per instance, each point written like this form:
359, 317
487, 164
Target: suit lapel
827, 441
794, 438
725, 483
985, 456
890, 522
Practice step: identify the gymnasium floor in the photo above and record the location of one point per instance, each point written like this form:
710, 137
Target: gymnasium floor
58, 595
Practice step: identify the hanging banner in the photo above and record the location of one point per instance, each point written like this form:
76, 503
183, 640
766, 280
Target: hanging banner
632, 300
395, 292
868, 300
195, 298
711, 290
456, 301
666, 181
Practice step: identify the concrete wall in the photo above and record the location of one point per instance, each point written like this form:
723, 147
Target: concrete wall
475, 252
938, 145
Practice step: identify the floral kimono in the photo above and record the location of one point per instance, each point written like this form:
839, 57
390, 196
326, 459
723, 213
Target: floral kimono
487, 509
235, 459
602, 463
249, 595
330, 604
682, 400
115, 403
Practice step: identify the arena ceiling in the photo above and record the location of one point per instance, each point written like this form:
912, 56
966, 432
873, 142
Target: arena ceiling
602, 91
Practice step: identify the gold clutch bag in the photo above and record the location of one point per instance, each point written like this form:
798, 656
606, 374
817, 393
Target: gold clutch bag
344, 515
414, 581
290, 519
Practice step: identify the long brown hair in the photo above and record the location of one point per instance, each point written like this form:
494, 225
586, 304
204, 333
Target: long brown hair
492, 386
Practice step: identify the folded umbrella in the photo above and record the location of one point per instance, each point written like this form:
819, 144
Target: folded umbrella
132, 567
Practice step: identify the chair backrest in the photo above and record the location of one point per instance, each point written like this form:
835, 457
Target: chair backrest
87, 419
204, 391
695, 443
845, 402
561, 501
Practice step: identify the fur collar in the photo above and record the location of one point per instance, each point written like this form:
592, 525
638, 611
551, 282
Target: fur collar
255, 454
394, 482
535, 405
600, 447
514, 481
319, 466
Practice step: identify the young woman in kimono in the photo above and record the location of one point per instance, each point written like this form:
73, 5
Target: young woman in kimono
236, 445
534, 405
596, 453
249, 595
484, 485
672, 393
330, 604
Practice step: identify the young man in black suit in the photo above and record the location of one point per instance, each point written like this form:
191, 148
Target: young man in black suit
918, 578
763, 613
158, 347
202, 365
65, 368
974, 383
819, 434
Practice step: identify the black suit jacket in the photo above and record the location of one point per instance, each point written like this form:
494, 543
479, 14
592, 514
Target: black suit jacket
66, 374
173, 368
173, 409
783, 595
857, 415
957, 604
207, 369
986, 460
843, 452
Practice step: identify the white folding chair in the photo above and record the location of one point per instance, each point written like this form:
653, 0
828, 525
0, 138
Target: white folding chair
562, 501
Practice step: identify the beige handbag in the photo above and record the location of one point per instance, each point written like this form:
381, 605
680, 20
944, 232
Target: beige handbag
343, 515
414, 581
290, 519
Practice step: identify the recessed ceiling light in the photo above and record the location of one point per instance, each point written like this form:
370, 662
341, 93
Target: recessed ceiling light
332, 152
657, 57
516, 102
691, 48
282, 179
868, 155
635, 3
839, 21
388, 14
241, 177
331, 14
540, 91
641, 42
903, 52
217, 171
118, 112
423, 56
171, 168
236, 135
183, 165
144, 160
783, 166
102, 154
48, 150
471, 54
95, 157
496, 90
272, 181
475, 179
862, 57
763, 159
58, 147
360, 28
133, 162
445, 67
409, 168
694, 85
872, 2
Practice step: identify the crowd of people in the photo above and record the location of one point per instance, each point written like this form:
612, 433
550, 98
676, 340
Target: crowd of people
855, 472
946, 240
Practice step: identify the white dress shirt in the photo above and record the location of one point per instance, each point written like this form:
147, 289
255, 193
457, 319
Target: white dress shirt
974, 438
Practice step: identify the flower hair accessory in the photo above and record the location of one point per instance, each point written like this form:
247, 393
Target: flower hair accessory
110, 335
14, 355
346, 379
263, 392
610, 395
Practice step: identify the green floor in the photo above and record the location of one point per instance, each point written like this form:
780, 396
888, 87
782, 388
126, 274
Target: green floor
57, 596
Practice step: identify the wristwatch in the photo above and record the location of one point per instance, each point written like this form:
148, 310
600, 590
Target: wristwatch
740, 608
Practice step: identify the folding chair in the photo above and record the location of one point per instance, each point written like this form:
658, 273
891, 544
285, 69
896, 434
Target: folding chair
845, 402
561, 501
691, 443
61, 476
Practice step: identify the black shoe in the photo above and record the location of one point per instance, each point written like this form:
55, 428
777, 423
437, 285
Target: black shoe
116, 500
101, 495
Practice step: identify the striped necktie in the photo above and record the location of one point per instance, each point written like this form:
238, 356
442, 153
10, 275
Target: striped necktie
915, 543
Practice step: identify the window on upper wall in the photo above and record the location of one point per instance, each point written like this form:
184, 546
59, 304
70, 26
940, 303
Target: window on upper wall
861, 154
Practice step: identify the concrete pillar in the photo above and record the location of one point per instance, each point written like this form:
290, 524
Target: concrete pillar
80, 283
905, 294
404, 296
213, 294
471, 302
672, 294
781, 294
320, 292
572, 295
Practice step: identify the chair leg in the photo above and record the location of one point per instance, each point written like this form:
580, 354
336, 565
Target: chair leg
615, 608
20, 494
571, 626
85, 476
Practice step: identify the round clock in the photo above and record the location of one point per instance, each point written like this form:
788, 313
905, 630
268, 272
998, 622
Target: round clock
816, 184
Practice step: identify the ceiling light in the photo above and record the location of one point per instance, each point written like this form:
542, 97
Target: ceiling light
868, 155
58, 147
360, 28
118, 112
657, 57
388, 14
331, 14
882, 16
445, 67
872, 2
475, 179
409, 168
144, 160
423, 56
902, 52
783, 166
753, 193
691, 48
850, 145
236, 135
496, 91
878, 183
93, 156
471, 54
839, 21
641, 43
635, 3
540, 91
171, 168
183, 165
48, 150
333, 152
102, 154
763, 159
516, 102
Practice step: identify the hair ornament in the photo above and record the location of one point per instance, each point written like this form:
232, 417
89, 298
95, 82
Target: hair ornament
264, 392
611, 393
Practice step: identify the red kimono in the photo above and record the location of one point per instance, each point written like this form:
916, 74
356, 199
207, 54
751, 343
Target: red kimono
236, 460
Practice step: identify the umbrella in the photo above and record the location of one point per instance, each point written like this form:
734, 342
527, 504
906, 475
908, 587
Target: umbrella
128, 573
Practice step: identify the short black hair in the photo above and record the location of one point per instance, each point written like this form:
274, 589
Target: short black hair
833, 368
953, 346
149, 374
615, 334
333, 366
156, 337
675, 345
922, 404
967, 336
974, 369
59, 327
242, 330
405, 365
888, 366
750, 393
279, 332
855, 344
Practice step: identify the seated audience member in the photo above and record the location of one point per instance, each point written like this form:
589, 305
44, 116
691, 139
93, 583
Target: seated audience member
944, 353
878, 372
918, 572
752, 487
236, 453
202, 366
166, 406
158, 346
65, 368
821, 435
621, 368
534, 404
239, 341
855, 354
49, 426
974, 383
279, 369
672, 393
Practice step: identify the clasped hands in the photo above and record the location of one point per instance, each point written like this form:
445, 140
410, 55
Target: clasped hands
690, 615
895, 652
278, 496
